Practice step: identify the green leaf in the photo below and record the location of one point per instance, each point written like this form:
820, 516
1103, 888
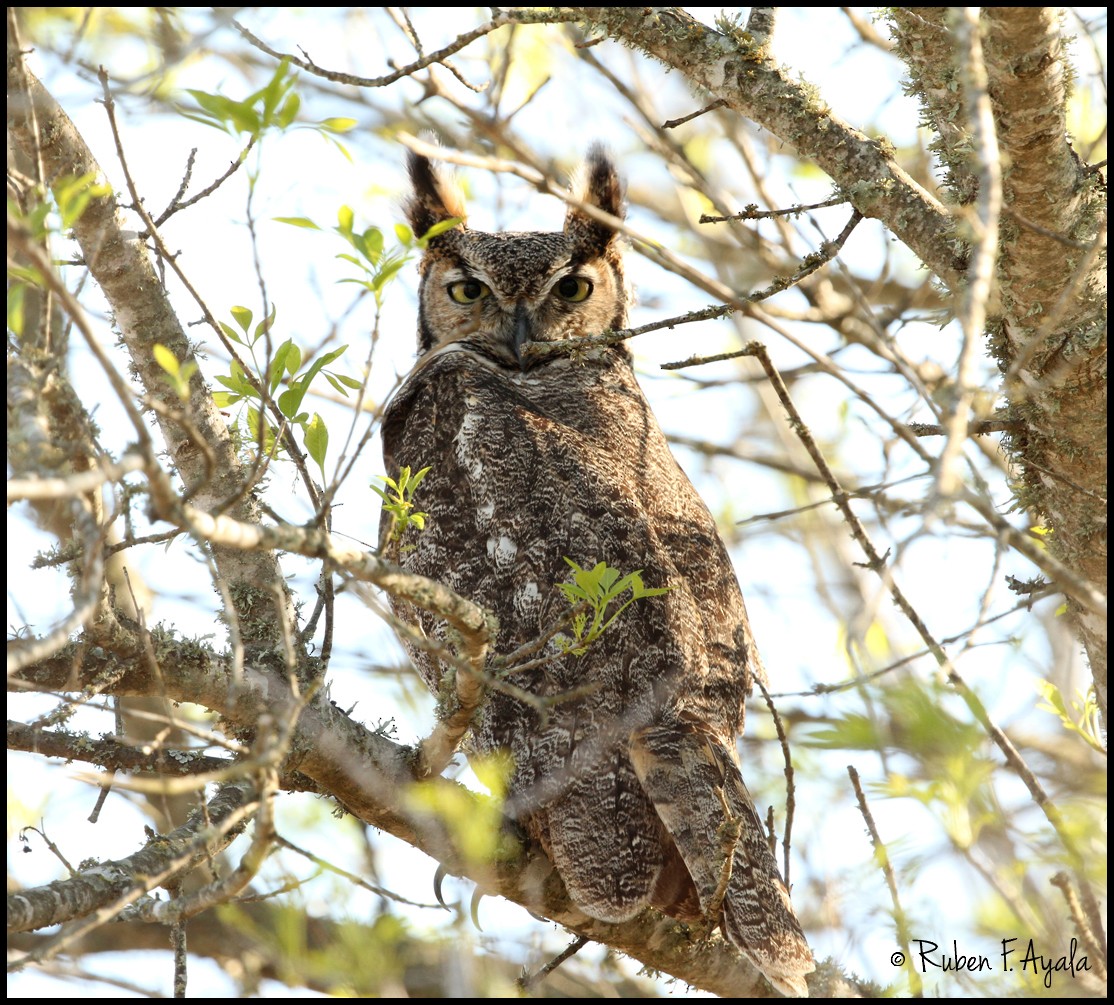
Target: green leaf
373, 239
289, 110
16, 292
339, 125
264, 326
32, 277
290, 400
242, 317
293, 360
279, 363
245, 119
328, 358
345, 216
598, 588
398, 501
237, 382
340, 146
37, 219
166, 359
440, 228
275, 89
317, 441
385, 275
231, 333
205, 121
297, 221
215, 105
73, 195
177, 374
237, 373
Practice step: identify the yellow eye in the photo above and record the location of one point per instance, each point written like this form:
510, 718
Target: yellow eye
468, 291
574, 289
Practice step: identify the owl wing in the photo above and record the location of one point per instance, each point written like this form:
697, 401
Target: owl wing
699, 794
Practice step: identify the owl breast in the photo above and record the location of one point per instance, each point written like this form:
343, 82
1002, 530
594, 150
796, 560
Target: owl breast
563, 463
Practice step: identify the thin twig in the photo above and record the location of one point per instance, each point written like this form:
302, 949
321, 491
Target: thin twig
872, 492
754, 213
405, 71
883, 858
527, 981
182, 849
1052, 235
1087, 935
351, 877
809, 265
674, 123
544, 349
53, 848
979, 427
176, 207
866, 30
178, 946
790, 785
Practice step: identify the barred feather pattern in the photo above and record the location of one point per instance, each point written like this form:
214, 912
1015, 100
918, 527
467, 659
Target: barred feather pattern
628, 779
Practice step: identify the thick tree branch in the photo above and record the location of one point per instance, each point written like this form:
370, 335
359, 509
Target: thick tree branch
1052, 330
371, 777
738, 70
122, 882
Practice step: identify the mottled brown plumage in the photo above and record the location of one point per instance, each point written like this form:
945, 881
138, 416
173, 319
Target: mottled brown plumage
632, 787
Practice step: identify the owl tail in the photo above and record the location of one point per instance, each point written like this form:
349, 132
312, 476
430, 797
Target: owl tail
697, 790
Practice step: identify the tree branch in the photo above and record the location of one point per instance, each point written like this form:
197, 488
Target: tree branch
738, 70
370, 776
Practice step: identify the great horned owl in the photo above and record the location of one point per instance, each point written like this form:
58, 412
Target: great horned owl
628, 776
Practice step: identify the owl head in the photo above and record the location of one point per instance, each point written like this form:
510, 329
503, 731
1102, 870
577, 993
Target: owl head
495, 294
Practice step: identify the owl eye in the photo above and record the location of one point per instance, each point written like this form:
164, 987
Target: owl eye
468, 291
574, 289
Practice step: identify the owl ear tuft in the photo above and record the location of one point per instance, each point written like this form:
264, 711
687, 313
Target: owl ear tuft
598, 184
435, 196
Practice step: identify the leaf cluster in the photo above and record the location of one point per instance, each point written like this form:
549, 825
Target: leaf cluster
273, 106
398, 501
378, 265
285, 364
598, 589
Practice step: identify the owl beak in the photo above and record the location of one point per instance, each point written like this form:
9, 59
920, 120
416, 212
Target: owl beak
521, 335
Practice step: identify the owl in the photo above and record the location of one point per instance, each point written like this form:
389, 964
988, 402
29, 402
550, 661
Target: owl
624, 766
